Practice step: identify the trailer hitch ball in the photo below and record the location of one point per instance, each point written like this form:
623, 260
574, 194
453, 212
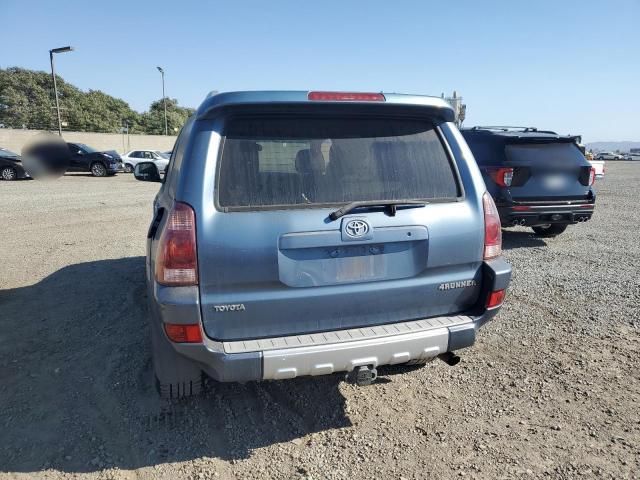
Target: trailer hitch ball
362, 376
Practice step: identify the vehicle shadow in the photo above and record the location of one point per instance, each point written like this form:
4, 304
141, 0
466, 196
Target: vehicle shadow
517, 239
78, 394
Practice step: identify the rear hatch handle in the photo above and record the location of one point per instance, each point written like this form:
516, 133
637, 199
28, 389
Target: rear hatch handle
391, 206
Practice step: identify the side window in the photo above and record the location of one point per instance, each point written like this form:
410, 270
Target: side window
135, 154
178, 149
73, 149
148, 156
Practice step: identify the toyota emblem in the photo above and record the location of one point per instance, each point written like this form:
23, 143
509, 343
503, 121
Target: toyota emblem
356, 228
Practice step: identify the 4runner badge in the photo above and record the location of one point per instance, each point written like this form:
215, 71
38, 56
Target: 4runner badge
461, 284
230, 308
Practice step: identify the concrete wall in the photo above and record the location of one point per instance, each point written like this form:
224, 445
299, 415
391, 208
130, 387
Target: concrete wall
14, 140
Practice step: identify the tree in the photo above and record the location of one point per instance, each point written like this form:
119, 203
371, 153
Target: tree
153, 120
26, 99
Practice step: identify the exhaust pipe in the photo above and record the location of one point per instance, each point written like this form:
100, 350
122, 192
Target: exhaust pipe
449, 358
515, 222
523, 222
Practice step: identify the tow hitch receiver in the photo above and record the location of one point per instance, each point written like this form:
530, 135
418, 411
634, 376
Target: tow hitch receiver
362, 376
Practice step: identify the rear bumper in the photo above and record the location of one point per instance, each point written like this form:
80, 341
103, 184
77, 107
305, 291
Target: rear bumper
336, 351
531, 214
341, 350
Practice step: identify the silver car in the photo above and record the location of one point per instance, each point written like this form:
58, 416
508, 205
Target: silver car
608, 156
132, 158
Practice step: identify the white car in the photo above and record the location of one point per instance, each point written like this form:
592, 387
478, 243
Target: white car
608, 156
132, 158
631, 156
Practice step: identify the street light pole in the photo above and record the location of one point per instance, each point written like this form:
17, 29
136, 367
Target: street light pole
55, 85
164, 101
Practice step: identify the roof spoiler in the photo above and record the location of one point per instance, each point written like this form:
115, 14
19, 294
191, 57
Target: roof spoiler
288, 100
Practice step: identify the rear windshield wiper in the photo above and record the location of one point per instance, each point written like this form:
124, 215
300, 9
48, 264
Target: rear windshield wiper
391, 205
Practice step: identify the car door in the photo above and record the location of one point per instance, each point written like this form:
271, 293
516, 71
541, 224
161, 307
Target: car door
134, 158
76, 158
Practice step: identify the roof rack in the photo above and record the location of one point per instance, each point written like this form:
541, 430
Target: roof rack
506, 128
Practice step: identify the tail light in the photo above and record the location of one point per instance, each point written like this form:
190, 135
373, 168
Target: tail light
495, 299
345, 97
502, 176
183, 333
492, 228
176, 262
592, 176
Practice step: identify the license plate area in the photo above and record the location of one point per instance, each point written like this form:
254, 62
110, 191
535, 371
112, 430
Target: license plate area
555, 182
359, 263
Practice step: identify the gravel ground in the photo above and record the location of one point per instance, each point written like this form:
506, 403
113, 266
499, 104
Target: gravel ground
550, 390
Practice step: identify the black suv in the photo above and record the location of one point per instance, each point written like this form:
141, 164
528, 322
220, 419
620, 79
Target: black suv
83, 158
537, 178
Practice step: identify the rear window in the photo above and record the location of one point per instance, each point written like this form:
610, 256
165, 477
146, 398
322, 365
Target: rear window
552, 154
302, 161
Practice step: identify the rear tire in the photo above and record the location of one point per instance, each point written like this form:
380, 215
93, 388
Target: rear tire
549, 230
98, 170
128, 168
9, 174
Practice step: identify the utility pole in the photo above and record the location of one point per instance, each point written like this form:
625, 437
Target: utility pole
164, 100
55, 85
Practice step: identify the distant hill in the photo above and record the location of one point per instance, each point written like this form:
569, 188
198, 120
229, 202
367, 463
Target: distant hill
612, 146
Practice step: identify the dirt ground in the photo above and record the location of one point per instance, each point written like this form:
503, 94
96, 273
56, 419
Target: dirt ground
550, 390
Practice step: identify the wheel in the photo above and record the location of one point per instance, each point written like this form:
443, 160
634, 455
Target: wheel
549, 230
128, 168
8, 173
98, 170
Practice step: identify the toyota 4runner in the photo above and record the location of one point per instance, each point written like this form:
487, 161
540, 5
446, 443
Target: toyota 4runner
307, 233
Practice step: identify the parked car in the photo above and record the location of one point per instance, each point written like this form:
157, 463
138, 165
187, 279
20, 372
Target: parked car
83, 158
608, 156
631, 156
132, 158
11, 165
537, 178
306, 233
599, 167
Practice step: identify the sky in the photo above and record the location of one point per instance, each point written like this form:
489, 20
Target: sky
570, 66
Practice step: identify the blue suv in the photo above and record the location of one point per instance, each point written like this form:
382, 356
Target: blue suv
537, 178
307, 233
